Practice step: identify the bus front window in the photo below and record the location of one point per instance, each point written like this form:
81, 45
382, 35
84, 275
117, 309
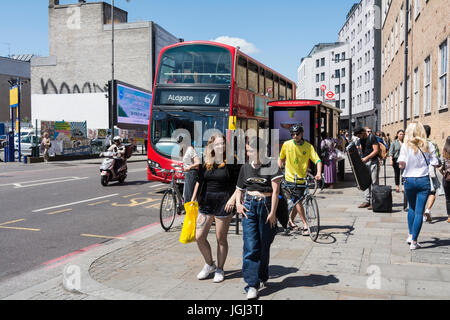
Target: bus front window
165, 123
200, 64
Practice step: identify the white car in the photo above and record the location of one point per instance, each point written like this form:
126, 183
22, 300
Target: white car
25, 145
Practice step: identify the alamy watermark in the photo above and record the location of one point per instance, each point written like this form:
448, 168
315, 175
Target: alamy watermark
72, 278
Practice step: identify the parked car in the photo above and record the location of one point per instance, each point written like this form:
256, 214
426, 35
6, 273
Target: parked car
3, 140
25, 145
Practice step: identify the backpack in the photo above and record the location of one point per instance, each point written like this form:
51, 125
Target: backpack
382, 151
446, 172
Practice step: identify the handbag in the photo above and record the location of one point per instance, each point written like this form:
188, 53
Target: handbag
190, 222
434, 181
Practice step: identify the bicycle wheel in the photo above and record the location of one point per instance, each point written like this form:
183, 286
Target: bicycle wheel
312, 217
168, 210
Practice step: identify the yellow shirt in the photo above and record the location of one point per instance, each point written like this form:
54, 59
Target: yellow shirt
297, 159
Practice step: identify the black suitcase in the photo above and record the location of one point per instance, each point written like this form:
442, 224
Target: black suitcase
381, 198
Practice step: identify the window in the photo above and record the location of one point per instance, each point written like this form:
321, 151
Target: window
337, 73
400, 103
408, 98
396, 105
442, 74
317, 63
336, 89
322, 76
322, 62
427, 86
282, 94
201, 64
416, 92
402, 25
343, 88
289, 91
343, 104
276, 83
317, 77
343, 72
317, 92
252, 77
261, 81
416, 8
337, 57
269, 84
242, 73
343, 55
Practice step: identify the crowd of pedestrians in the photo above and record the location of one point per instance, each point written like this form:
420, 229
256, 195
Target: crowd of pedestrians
252, 190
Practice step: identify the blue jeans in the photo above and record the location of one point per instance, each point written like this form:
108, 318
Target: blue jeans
417, 191
258, 236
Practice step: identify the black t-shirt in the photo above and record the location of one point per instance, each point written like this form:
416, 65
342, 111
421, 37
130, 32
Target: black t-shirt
259, 179
367, 145
218, 179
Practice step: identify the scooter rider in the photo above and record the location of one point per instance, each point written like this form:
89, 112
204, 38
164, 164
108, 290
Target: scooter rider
118, 148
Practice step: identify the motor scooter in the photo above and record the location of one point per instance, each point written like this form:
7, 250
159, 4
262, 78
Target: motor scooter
107, 172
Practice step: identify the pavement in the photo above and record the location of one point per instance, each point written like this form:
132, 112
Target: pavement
359, 255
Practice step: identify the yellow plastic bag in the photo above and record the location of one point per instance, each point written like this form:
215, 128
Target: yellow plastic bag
190, 223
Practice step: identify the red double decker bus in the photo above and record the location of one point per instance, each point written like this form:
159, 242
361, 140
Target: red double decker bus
202, 85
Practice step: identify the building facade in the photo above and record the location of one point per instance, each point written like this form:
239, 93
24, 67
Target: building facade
80, 60
325, 66
427, 83
362, 33
16, 67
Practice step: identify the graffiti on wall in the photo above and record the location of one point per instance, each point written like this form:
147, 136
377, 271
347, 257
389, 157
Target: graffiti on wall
49, 87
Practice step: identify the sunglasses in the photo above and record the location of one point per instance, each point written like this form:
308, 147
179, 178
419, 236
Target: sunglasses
295, 134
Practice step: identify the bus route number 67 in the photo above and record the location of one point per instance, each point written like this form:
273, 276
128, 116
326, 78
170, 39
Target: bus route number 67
210, 98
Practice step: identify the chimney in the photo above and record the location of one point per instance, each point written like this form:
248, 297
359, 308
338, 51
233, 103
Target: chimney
53, 3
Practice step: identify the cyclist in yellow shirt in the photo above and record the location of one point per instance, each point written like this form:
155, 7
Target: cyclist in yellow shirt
295, 155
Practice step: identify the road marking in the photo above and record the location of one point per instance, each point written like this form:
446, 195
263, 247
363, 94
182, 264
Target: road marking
96, 203
157, 185
27, 184
137, 170
133, 194
73, 203
10, 222
59, 211
154, 206
134, 202
103, 237
2, 226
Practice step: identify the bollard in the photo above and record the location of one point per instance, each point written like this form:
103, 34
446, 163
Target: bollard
25, 159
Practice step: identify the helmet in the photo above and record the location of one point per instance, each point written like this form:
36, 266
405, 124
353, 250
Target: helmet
117, 138
297, 128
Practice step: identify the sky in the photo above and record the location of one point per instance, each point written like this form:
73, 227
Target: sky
276, 33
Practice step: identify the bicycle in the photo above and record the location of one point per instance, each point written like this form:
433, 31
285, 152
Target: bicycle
172, 202
308, 199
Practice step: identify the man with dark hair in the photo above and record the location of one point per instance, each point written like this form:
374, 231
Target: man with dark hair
435, 181
369, 150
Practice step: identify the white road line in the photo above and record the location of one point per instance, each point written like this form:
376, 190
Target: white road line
25, 184
158, 185
73, 203
137, 170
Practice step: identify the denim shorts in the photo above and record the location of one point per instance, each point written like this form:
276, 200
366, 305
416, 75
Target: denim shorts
213, 203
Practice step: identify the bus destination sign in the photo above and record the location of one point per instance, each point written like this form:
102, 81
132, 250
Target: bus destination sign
201, 98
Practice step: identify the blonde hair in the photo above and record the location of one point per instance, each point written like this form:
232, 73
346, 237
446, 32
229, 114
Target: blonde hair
416, 137
210, 157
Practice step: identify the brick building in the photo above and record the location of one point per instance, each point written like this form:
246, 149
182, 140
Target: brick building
78, 67
427, 82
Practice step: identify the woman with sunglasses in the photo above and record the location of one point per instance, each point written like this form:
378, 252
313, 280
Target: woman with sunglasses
261, 185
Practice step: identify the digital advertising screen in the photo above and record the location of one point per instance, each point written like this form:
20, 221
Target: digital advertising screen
133, 105
285, 119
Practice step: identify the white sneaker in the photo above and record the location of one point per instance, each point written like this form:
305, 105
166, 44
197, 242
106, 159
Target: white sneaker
252, 293
414, 246
206, 271
427, 217
409, 240
219, 276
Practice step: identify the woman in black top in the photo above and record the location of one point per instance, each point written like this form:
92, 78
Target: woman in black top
261, 185
216, 186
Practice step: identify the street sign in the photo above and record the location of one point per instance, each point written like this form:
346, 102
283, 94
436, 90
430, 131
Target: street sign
330, 95
323, 87
14, 97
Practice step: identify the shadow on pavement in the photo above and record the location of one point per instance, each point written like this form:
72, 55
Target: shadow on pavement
312, 280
